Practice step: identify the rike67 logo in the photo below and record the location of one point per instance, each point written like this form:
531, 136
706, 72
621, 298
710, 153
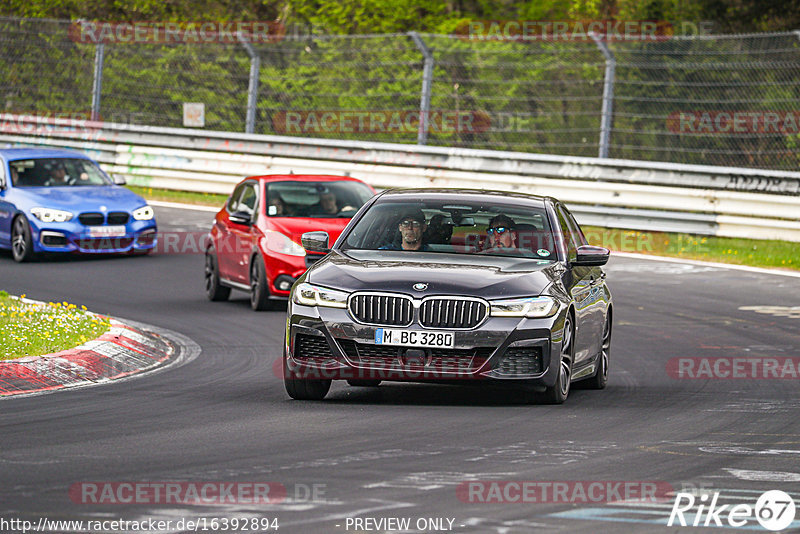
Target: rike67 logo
774, 510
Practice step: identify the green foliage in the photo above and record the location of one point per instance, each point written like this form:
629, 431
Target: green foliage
537, 96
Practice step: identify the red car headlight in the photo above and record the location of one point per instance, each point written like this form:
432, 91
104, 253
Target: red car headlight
280, 244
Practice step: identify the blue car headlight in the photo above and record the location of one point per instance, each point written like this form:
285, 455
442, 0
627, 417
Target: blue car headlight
525, 307
145, 213
49, 215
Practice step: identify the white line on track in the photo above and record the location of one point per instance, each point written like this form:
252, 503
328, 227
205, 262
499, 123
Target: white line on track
747, 268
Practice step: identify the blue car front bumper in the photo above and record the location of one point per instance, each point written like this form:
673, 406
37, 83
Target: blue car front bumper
72, 236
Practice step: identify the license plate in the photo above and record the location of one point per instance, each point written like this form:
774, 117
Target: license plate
414, 338
107, 231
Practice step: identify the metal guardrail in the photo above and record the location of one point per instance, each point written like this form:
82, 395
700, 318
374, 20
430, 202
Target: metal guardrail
733, 202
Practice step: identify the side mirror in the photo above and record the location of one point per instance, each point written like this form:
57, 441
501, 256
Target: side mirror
119, 179
2, 182
590, 256
241, 217
315, 242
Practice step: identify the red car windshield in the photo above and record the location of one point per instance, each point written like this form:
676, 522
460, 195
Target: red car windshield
316, 199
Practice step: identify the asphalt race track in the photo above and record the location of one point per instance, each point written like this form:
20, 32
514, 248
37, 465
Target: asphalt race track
403, 451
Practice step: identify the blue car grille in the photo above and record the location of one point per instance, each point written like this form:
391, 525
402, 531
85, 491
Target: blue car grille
118, 217
96, 219
91, 219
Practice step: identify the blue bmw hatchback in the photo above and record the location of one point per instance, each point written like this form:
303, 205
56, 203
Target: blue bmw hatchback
61, 201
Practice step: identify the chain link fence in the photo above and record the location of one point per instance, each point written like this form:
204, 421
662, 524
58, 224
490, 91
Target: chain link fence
717, 100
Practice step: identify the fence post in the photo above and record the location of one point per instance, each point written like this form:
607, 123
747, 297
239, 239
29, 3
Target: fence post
608, 96
427, 80
252, 86
97, 86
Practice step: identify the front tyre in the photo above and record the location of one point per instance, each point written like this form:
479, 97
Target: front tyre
214, 290
21, 242
304, 389
559, 392
259, 291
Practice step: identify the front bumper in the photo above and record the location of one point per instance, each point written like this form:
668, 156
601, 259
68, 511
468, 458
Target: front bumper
326, 343
73, 236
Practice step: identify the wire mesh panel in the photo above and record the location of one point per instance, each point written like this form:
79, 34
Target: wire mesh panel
42, 70
724, 100
524, 96
148, 83
719, 100
340, 87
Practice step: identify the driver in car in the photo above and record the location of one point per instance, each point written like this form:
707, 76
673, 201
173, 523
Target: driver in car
411, 226
58, 175
328, 203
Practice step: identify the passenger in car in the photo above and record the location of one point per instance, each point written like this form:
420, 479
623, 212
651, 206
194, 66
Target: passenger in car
501, 233
438, 232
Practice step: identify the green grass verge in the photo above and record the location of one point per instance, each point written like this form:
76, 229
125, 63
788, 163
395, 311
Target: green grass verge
36, 329
185, 197
753, 252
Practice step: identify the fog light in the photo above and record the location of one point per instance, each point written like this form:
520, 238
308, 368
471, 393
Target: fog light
284, 282
52, 239
146, 239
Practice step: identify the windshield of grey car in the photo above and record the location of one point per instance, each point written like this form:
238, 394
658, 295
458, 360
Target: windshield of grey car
56, 172
455, 227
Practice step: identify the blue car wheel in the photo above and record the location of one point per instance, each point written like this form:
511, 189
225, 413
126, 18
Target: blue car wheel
21, 242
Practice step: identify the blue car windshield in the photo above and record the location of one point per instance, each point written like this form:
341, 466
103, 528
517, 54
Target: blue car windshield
56, 172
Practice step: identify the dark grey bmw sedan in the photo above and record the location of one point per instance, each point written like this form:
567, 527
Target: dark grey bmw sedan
452, 286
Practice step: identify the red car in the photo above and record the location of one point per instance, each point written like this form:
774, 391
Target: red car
255, 240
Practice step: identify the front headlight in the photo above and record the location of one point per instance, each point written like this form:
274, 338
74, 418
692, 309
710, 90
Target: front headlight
50, 215
145, 213
524, 307
311, 295
279, 243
